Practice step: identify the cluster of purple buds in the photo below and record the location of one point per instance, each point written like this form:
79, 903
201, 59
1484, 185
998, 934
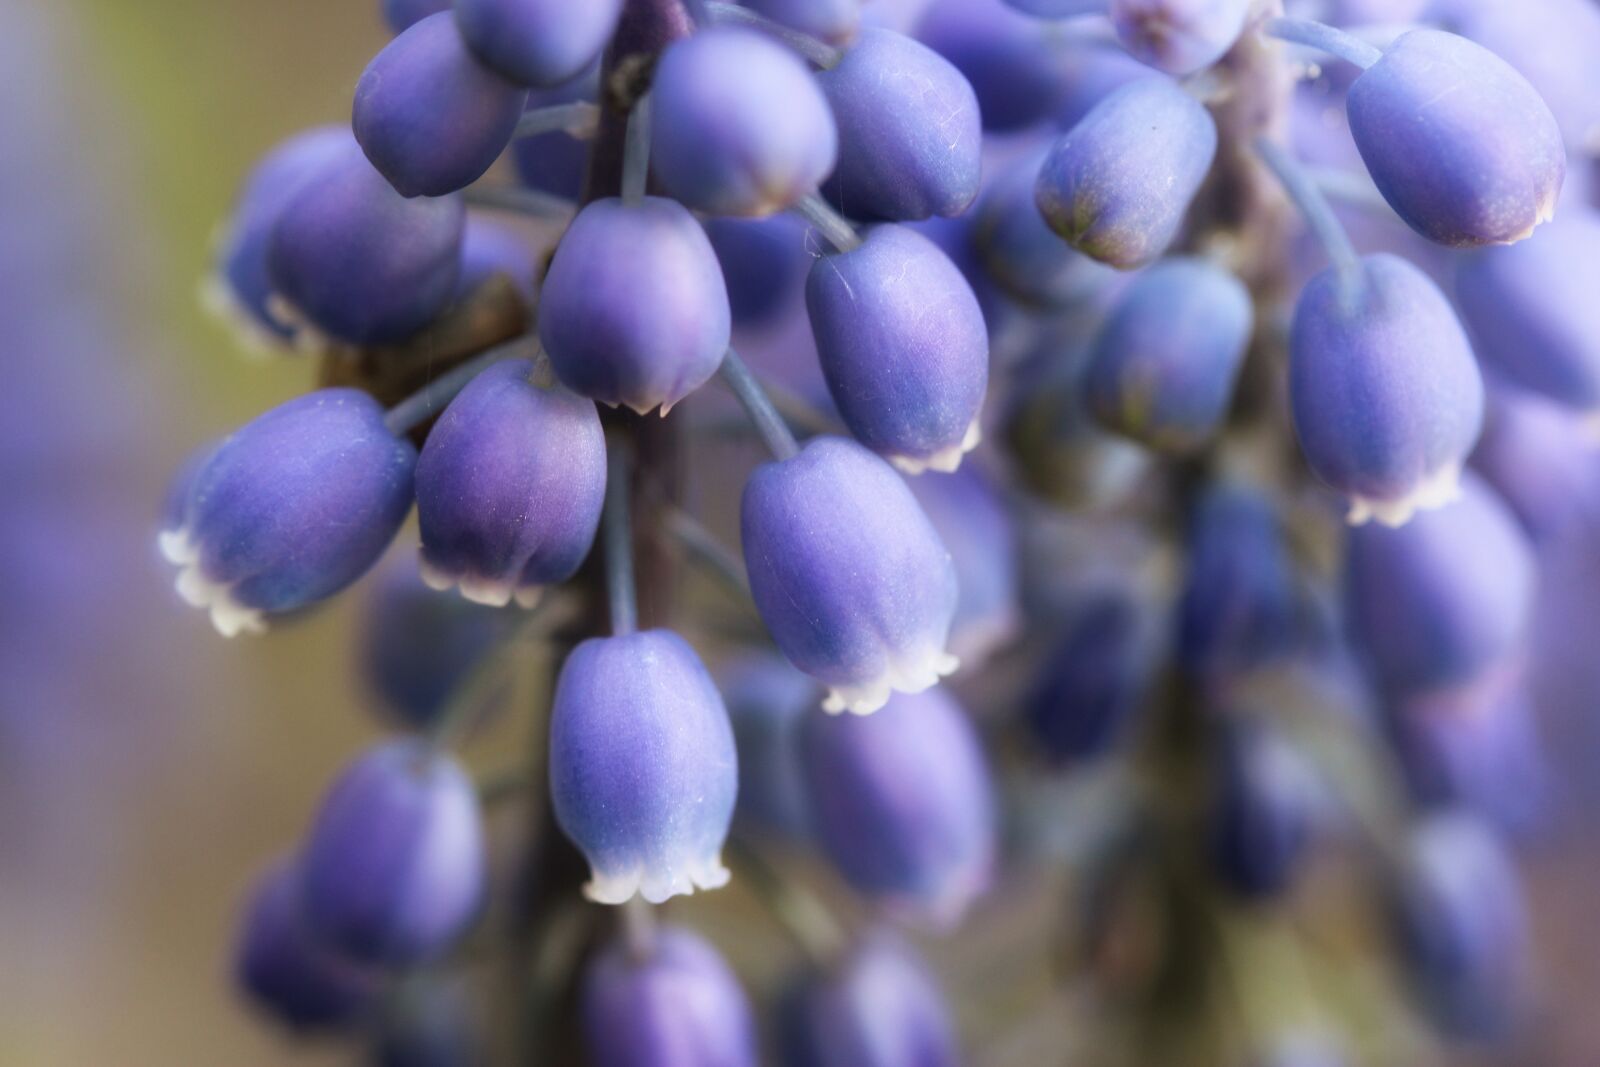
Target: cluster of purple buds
1077, 509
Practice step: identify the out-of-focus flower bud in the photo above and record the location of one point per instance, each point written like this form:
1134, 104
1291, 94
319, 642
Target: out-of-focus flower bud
537, 42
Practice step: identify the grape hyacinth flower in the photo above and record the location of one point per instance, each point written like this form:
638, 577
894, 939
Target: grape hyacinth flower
1532, 312
767, 701
634, 310
396, 865
1540, 458
1164, 365
401, 15
289, 509
763, 262
677, 1002
1020, 252
537, 42
1445, 599
1262, 813
1458, 142
1117, 185
643, 772
1095, 679
419, 646
879, 1007
1179, 36
429, 116
358, 262
849, 576
490, 249
509, 486
738, 124
903, 805
1097, 69
910, 135
968, 512
555, 161
282, 968
1386, 395
903, 346
239, 290
1014, 69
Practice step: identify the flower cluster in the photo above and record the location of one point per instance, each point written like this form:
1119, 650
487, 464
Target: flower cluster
1063, 486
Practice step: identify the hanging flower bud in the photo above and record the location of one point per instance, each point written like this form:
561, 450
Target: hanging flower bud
429, 116
767, 701
283, 970
1096, 679
396, 865
239, 291
358, 262
1463, 927
1179, 36
1443, 600
1096, 69
643, 772
401, 15
634, 310
1540, 457
1240, 608
1117, 185
1164, 365
490, 249
290, 509
677, 1005
1532, 311
970, 517
1263, 811
738, 124
763, 262
419, 646
1014, 69
509, 487
1386, 394
833, 21
555, 162
903, 346
848, 574
1458, 142
910, 136
903, 804
879, 1007
537, 42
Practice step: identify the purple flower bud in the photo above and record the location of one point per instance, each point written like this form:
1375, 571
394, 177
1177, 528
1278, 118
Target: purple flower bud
634, 310
280, 967
880, 1007
1009, 59
910, 135
396, 864
509, 486
403, 14
429, 116
1164, 366
1458, 142
738, 124
849, 576
903, 804
290, 509
1444, 599
358, 261
1463, 927
1096, 678
767, 701
419, 646
556, 162
763, 262
1532, 309
1097, 70
1021, 253
491, 249
833, 21
1262, 813
679, 1006
240, 291
970, 517
903, 346
1386, 394
1117, 185
1240, 608
537, 42
1540, 457
643, 772
1178, 36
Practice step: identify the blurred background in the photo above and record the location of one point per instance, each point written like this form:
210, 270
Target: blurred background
148, 769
